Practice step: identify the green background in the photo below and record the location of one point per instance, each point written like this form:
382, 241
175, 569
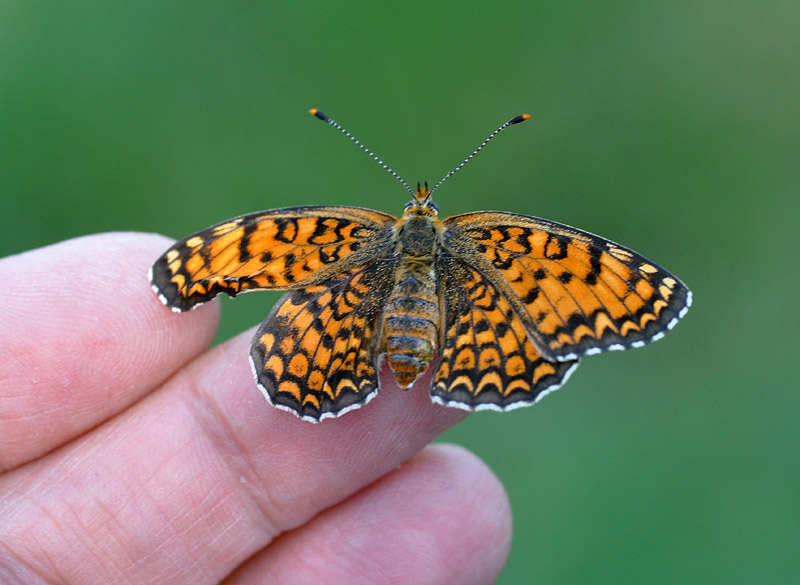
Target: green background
670, 127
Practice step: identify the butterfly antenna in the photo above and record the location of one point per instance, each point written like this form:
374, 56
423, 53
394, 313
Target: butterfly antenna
322, 116
511, 122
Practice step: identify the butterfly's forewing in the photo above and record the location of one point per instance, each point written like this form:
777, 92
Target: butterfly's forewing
581, 294
316, 353
487, 359
278, 249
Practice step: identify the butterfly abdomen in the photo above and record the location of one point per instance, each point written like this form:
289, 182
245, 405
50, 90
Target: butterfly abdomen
410, 321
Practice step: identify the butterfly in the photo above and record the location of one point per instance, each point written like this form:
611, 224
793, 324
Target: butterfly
501, 305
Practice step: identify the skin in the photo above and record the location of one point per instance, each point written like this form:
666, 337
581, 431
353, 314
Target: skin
132, 453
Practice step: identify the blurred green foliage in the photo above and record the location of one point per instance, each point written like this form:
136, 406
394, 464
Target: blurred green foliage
672, 128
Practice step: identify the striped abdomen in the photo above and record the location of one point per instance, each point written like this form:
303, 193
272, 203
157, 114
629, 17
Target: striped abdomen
410, 322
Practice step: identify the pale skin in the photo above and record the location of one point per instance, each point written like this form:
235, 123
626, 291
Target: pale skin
131, 453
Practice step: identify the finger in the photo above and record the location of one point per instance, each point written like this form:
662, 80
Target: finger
82, 337
206, 460
441, 518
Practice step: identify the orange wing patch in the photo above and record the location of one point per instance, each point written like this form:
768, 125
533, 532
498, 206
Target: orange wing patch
579, 294
488, 360
315, 354
280, 249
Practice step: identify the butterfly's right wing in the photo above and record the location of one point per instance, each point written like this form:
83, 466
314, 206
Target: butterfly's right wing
487, 357
278, 249
577, 293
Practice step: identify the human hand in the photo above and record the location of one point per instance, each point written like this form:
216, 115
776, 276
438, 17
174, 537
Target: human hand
129, 453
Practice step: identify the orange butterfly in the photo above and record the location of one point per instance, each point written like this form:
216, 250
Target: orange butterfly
502, 305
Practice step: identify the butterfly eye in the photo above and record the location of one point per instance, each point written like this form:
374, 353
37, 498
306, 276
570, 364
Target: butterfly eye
433, 206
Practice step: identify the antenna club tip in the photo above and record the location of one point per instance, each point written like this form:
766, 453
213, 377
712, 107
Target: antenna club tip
520, 118
318, 114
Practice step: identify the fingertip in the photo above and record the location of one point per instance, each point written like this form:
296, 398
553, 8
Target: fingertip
466, 504
84, 336
483, 498
442, 517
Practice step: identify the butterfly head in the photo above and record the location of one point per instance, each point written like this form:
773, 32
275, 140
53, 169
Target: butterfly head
421, 204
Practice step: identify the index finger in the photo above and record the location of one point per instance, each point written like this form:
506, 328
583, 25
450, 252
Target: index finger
82, 337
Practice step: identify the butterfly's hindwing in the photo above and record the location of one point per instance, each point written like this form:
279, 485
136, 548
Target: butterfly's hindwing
487, 359
582, 294
316, 353
278, 249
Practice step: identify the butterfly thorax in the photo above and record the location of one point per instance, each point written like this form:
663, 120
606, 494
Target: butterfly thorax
411, 313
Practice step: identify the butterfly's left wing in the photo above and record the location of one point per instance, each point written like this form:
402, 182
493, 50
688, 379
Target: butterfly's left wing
577, 293
487, 359
316, 353
278, 249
